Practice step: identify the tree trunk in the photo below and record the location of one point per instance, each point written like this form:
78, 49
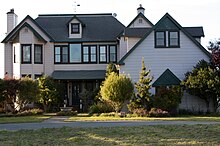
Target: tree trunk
207, 106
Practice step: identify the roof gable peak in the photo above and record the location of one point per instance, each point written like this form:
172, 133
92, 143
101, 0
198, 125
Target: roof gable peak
143, 17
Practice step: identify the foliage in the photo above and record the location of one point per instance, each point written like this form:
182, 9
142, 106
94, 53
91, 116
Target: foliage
116, 89
214, 46
101, 107
143, 96
28, 91
30, 112
168, 98
48, 91
141, 112
204, 82
11, 88
111, 68
156, 112
66, 113
2, 98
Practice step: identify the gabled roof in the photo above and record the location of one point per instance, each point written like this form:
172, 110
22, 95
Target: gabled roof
135, 32
140, 15
167, 78
23, 24
158, 25
98, 27
195, 31
75, 17
79, 75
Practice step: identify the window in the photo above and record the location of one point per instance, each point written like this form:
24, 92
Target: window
89, 54
112, 54
61, 54
140, 20
102, 54
26, 53
26, 75
173, 39
14, 56
38, 54
75, 53
36, 76
160, 39
75, 28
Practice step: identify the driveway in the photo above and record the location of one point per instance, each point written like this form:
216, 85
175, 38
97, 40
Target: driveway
57, 122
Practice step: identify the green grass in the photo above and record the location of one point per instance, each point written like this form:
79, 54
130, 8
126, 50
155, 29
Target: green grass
23, 119
85, 117
141, 135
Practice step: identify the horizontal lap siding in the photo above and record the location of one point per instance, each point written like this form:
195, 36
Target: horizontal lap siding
80, 67
178, 60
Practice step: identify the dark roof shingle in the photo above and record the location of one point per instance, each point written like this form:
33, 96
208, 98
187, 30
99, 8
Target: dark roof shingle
96, 27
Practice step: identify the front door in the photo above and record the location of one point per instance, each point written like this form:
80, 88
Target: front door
76, 90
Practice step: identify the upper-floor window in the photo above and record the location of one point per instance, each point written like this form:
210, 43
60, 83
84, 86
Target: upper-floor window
61, 54
102, 54
75, 53
26, 53
167, 39
75, 28
112, 54
160, 39
38, 54
174, 39
89, 54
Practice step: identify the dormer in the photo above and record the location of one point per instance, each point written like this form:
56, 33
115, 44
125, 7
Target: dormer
75, 28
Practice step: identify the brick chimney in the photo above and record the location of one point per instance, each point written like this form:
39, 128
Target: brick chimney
11, 20
140, 9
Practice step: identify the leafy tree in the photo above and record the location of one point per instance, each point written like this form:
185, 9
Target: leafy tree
143, 96
10, 92
28, 91
48, 91
204, 83
168, 99
116, 89
214, 46
111, 68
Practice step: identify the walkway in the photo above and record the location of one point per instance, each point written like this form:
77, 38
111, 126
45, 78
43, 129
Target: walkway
58, 122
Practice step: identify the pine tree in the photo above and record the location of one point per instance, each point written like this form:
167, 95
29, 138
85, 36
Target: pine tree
143, 95
111, 68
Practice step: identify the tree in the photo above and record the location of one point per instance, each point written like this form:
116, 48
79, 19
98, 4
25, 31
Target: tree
116, 89
214, 46
48, 91
143, 96
111, 68
28, 91
10, 92
204, 83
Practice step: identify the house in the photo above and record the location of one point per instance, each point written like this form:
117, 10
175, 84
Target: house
75, 49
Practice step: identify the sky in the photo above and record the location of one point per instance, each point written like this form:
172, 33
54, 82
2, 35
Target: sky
187, 12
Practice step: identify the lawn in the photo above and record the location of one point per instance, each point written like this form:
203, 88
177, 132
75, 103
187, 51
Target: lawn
141, 135
85, 117
23, 119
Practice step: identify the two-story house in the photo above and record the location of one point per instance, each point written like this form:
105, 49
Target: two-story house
76, 48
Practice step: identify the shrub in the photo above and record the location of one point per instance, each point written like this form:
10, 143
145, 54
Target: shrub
111, 114
101, 107
30, 112
141, 112
116, 89
67, 113
154, 112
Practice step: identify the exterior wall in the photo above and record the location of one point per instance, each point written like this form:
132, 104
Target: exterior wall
136, 23
80, 31
178, 60
26, 36
8, 59
80, 67
194, 104
126, 44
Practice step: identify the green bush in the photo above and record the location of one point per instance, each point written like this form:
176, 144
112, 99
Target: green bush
141, 112
67, 113
30, 112
101, 107
154, 112
111, 114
